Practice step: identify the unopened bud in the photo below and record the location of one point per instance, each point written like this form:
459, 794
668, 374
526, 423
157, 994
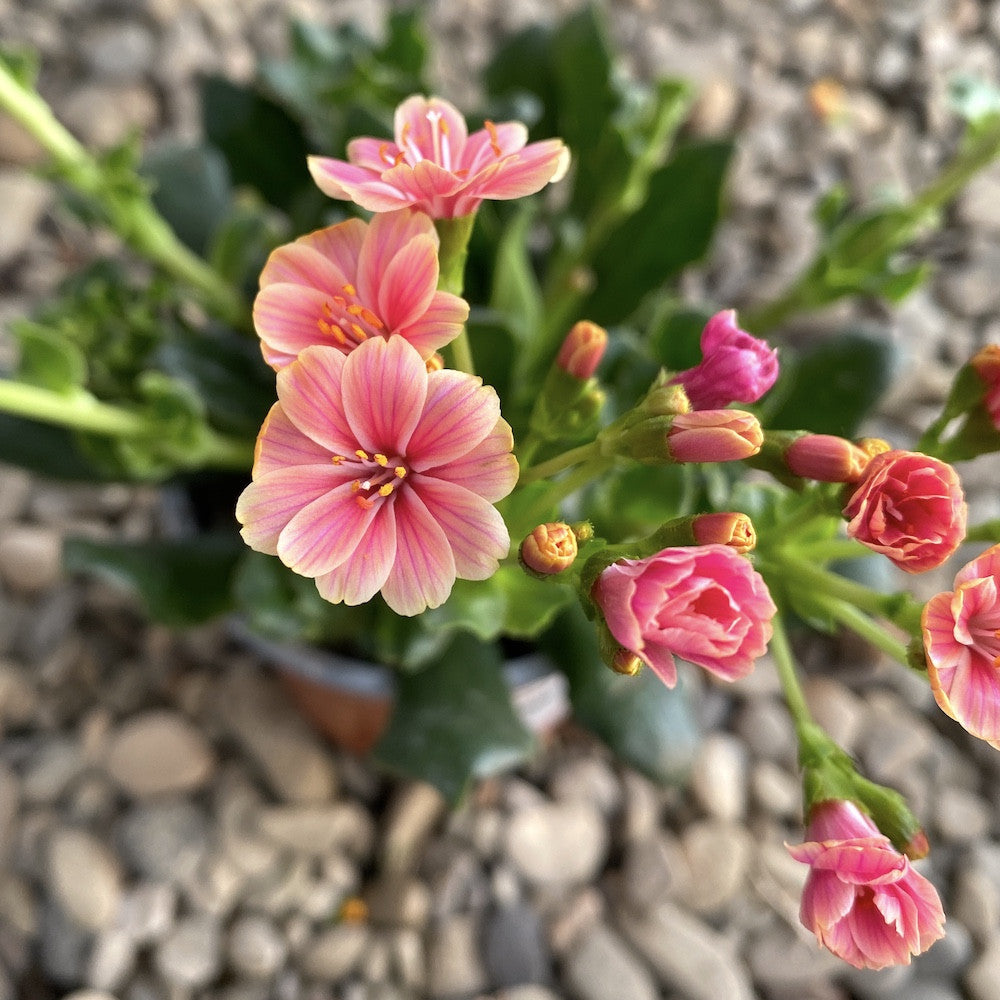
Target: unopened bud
666, 401
874, 446
714, 436
549, 549
826, 458
583, 530
582, 350
626, 662
986, 364
434, 363
726, 528
917, 846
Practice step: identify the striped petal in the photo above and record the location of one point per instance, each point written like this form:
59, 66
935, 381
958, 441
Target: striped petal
340, 244
489, 469
360, 577
388, 234
299, 263
310, 393
287, 319
409, 283
281, 444
439, 324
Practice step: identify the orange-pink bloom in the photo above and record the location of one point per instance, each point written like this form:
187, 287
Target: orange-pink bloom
436, 166
373, 474
910, 507
703, 603
345, 284
961, 631
862, 899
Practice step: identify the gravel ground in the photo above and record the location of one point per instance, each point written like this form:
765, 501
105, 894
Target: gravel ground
153, 847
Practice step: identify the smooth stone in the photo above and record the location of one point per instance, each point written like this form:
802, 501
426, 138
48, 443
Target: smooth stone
766, 728
408, 959
112, 960
256, 948
321, 829
653, 869
514, 947
157, 753
85, 878
454, 967
718, 856
190, 955
398, 900
786, 964
335, 952
57, 764
118, 51
947, 957
163, 840
30, 554
415, 811
147, 911
686, 954
23, 200
961, 816
976, 900
601, 967
984, 974
718, 778
84, 111
62, 947
18, 694
590, 779
557, 843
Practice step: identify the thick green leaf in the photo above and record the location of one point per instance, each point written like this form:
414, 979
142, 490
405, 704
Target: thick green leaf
531, 605
454, 721
263, 145
516, 294
672, 229
181, 583
192, 190
649, 725
830, 388
47, 359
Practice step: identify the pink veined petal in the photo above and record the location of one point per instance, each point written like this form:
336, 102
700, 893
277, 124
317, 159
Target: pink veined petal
365, 187
826, 899
489, 469
360, 577
281, 444
862, 861
384, 388
474, 528
408, 117
340, 244
440, 323
660, 660
876, 940
974, 697
325, 532
985, 564
479, 152
424, 569
388, 234
367, 151
520, 174
423, 182
460, 411
409, 283
266, 506
310, 393
413, 127
287, 319
614, 592
300, 263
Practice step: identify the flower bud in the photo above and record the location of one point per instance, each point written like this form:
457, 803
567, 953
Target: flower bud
435, 362
727, 528
549, 549
826, 458
666, 401
626, 662
714, 436
986, 364
582, 350
917, 846
874, 446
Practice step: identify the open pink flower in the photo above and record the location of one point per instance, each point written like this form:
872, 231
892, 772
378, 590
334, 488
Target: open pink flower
735, 367
862, 899
373, 474
436, 166
347, 283
910, 507
704, 603
961, 632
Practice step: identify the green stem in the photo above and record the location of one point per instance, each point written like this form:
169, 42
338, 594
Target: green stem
781, 652
857, 621
822, 582
453, 251
555, 465
129, 212
79, 411
804, 516
830, 549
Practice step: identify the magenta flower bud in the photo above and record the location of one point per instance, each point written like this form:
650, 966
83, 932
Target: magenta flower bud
714, 436
582, 350
729, 528
549, 549
862, 898
986, 364
910, 507
735, 367
826, 458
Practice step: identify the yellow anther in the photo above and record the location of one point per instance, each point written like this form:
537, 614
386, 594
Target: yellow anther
365, 503
384, 491
336, 459
356, 486
327, 310
400, 471
349, 289
443, 125
362, 454
359, 331
494, 138
355, 310
381, 460
340, 301
371, 319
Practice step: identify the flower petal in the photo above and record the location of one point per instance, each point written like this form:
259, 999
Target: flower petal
310, 393
520, 174
287, 319
474, 528
421, 125
281, 444
360, 577
388, 234
479, 151
364, 187
371, 153
409, 282
424, 570
266, 506
300, 263
440, 323
489, 469
459, 412
384, 389
340, 244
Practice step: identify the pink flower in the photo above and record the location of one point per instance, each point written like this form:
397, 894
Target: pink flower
962, 641
714, 436
862, 899
987, 366
374, 474
735, 367
342, 285
436, 166
910, 507
704, 603
550, 548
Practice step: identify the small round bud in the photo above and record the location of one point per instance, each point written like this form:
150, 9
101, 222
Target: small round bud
549, 549
727, 528
626, 662
582, 350
583, 530
826, 458
666, 401
874, 446
917, 846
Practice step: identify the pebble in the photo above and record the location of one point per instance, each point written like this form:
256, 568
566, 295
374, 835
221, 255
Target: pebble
256, 948
340, 826
190, 955
557, 843
587, 779
147, 911
514, 948
717, 856
961, 816
157, 753
600, 966
718, 779
118, 51
23, 200
112, 960
84, 878
415, 810
335, 952
454, 967
983, 975
84, 111
163, 840
30, 555
63, 947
